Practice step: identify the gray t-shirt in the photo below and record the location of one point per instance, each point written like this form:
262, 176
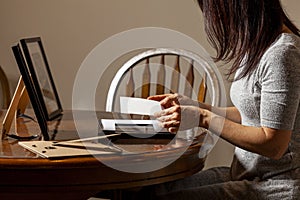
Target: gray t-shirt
269, 97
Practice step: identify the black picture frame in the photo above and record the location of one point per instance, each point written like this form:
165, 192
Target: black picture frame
39, 69
35, 101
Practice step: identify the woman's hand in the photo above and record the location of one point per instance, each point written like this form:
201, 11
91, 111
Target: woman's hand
179, 117
168, 100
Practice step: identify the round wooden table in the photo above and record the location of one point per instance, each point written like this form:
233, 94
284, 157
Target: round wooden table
25, 175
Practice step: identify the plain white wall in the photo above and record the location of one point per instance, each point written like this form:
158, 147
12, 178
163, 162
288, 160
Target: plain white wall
70, 29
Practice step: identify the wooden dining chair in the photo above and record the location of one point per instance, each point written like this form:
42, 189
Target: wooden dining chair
5, 92
165, 70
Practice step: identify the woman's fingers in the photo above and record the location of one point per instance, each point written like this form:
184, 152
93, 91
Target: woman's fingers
171, 124
173, 129
168, 111
166, 100
170, 118
175, 116
157, 97
169, 100
179, 117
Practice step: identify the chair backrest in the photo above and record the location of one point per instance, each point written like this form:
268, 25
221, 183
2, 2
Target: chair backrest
5, 92
177, 71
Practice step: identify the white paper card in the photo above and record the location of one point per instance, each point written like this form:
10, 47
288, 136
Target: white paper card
139, 106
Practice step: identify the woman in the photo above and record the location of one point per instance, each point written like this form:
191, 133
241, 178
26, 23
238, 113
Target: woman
264, 124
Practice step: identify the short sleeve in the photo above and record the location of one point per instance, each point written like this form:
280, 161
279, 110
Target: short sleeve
280, 87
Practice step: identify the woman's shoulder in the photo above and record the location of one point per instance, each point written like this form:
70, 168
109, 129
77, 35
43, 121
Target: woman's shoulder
286, 49
282, 57
286, 45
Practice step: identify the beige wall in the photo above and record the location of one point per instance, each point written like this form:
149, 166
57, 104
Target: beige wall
70, 29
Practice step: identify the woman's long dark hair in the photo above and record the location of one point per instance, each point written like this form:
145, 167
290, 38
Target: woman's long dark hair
239, 28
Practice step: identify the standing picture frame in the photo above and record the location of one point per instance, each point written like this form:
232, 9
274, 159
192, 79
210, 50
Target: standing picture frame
30, 88
40, 72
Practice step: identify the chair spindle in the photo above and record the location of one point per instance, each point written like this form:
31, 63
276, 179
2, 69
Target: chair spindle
160, 89
189, 80
175, 76
146, 80
202, 89
130, 84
